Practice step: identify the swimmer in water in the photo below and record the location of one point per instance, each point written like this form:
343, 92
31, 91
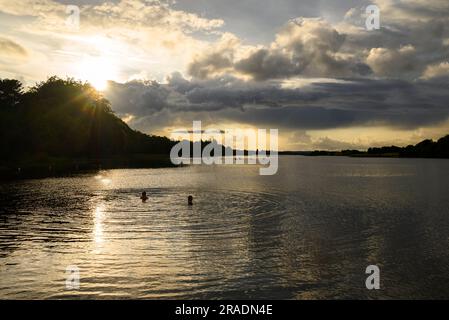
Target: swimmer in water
190, 200
144, 196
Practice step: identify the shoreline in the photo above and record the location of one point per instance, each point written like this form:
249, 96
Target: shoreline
33, 168
356, 155
61, 167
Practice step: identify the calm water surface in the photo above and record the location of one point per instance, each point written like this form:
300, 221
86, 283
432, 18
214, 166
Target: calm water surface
308, 232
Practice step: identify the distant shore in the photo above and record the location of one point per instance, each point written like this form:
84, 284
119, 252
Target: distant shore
60, 167
425, 149
56, 167
358, 154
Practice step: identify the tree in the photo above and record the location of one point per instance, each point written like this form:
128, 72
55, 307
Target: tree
11, 92
67, 118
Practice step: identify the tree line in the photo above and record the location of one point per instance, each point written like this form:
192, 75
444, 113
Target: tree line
66, 118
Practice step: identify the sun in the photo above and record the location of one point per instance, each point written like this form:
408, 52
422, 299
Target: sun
99, 84
98, 71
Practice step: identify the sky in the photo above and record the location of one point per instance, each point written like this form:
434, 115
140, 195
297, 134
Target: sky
309, 68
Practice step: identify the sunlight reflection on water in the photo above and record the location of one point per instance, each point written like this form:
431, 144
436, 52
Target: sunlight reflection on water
98, 224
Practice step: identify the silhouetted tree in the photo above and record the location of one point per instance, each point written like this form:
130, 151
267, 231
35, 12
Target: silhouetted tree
10, 92
67, 118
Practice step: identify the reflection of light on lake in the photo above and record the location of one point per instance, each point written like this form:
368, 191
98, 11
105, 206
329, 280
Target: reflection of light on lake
98, 224
102, 179
106, 181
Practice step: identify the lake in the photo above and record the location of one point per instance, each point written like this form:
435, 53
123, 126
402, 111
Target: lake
308, 232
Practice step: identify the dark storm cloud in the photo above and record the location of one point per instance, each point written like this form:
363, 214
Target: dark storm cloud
137, 97
266, 64
323, 105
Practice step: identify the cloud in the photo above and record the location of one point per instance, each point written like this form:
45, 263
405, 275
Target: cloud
390, 62
123, 13
30, 7
138, 98
400, 49
412, 37
302, 140
436, 71
326, 143
306, 46
218, 59
318, 105
10, 48
134, 36
138, 13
